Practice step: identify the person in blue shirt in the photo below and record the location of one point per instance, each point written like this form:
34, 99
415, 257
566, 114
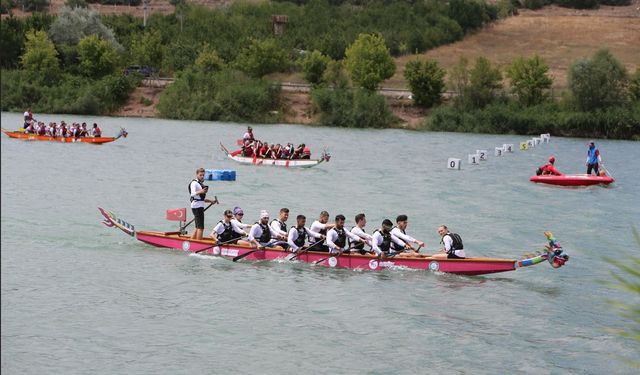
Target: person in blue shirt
593, 158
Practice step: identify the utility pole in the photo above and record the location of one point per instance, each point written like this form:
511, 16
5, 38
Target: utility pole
144, 7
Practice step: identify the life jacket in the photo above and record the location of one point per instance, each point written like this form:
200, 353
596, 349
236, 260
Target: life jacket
234, 234
394, 245
200, 196
97, 132
227, 235
358, 245
266, 233
385, 246
592, 154
63, 131
42, 130
302, 237
456, 244
306, 153
342, 238
283, 226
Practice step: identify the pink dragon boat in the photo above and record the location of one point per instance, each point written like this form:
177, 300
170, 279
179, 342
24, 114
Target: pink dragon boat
552, 253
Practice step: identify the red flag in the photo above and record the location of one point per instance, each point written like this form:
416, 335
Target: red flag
240, 142
178, 214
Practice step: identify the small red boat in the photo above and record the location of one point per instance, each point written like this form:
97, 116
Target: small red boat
35, 137
572, 180
553, 253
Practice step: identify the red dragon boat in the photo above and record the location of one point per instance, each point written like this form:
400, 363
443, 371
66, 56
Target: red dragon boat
552, 253
35, 137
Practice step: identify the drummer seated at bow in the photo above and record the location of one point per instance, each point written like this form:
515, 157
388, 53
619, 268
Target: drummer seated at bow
298, 235
337, 237
262, 235
226, 233
382, 241
548, 168
402, 222
453, 248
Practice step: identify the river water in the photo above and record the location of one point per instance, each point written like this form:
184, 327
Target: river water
80, 298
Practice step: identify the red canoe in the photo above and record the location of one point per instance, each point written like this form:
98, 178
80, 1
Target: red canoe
467, 266
35, 137
572, 180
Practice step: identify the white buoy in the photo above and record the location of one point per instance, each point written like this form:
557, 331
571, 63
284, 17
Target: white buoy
524, 146
536, 141
508, 147
453, 163
531, 143
498, 151
482, 154
545, 137
474, 159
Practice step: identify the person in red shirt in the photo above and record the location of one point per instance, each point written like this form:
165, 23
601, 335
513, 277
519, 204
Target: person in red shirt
95, 131
549, 169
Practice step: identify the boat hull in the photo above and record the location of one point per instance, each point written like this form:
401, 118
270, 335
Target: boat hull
294, 163
35, 137
572, 180
468, 266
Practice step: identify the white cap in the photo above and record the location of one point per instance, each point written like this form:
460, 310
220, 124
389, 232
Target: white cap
263, 214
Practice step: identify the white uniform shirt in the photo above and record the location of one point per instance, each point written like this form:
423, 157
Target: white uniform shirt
195, 186
317, 226
256, 232
293, 235
448, 242
247, 136
239, 226
376, 241
332, 236
275, 226
404, 237
219, 228
360, 233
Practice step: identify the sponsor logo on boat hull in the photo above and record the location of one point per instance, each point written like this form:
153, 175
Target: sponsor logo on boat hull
434, 266
374, 264
186, 245
229, 252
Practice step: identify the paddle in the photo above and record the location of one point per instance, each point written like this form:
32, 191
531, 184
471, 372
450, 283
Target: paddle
217, 244
215, 200
261, 248
305, 250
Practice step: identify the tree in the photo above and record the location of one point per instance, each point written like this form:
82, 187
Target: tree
459, 77
598, 82
368, 61
529, 78
40, 57
209, 61
335, 75
314, 65
426, 80
484, 82
74, 24
261, 57
97, 57
634, 86
147, 49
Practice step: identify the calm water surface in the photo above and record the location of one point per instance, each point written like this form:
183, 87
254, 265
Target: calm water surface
79, 298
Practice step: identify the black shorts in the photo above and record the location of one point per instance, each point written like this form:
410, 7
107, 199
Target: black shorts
198, 213
453, 256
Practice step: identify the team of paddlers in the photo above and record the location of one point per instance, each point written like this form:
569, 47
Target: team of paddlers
252, 147
335, 238
52, 129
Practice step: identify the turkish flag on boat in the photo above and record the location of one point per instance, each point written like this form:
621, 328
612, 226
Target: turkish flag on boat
178, 214
239, 142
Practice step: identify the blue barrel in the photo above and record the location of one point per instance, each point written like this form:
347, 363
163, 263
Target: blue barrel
219, 175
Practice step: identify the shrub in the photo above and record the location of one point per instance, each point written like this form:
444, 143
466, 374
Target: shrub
351, 108
71, 25
368, 61
578, 4
529, 80
40, 57
314, 65
598, 82
426, 80
97, 57
261, 57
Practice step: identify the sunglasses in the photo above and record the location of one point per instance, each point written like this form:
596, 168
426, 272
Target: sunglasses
240, 214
